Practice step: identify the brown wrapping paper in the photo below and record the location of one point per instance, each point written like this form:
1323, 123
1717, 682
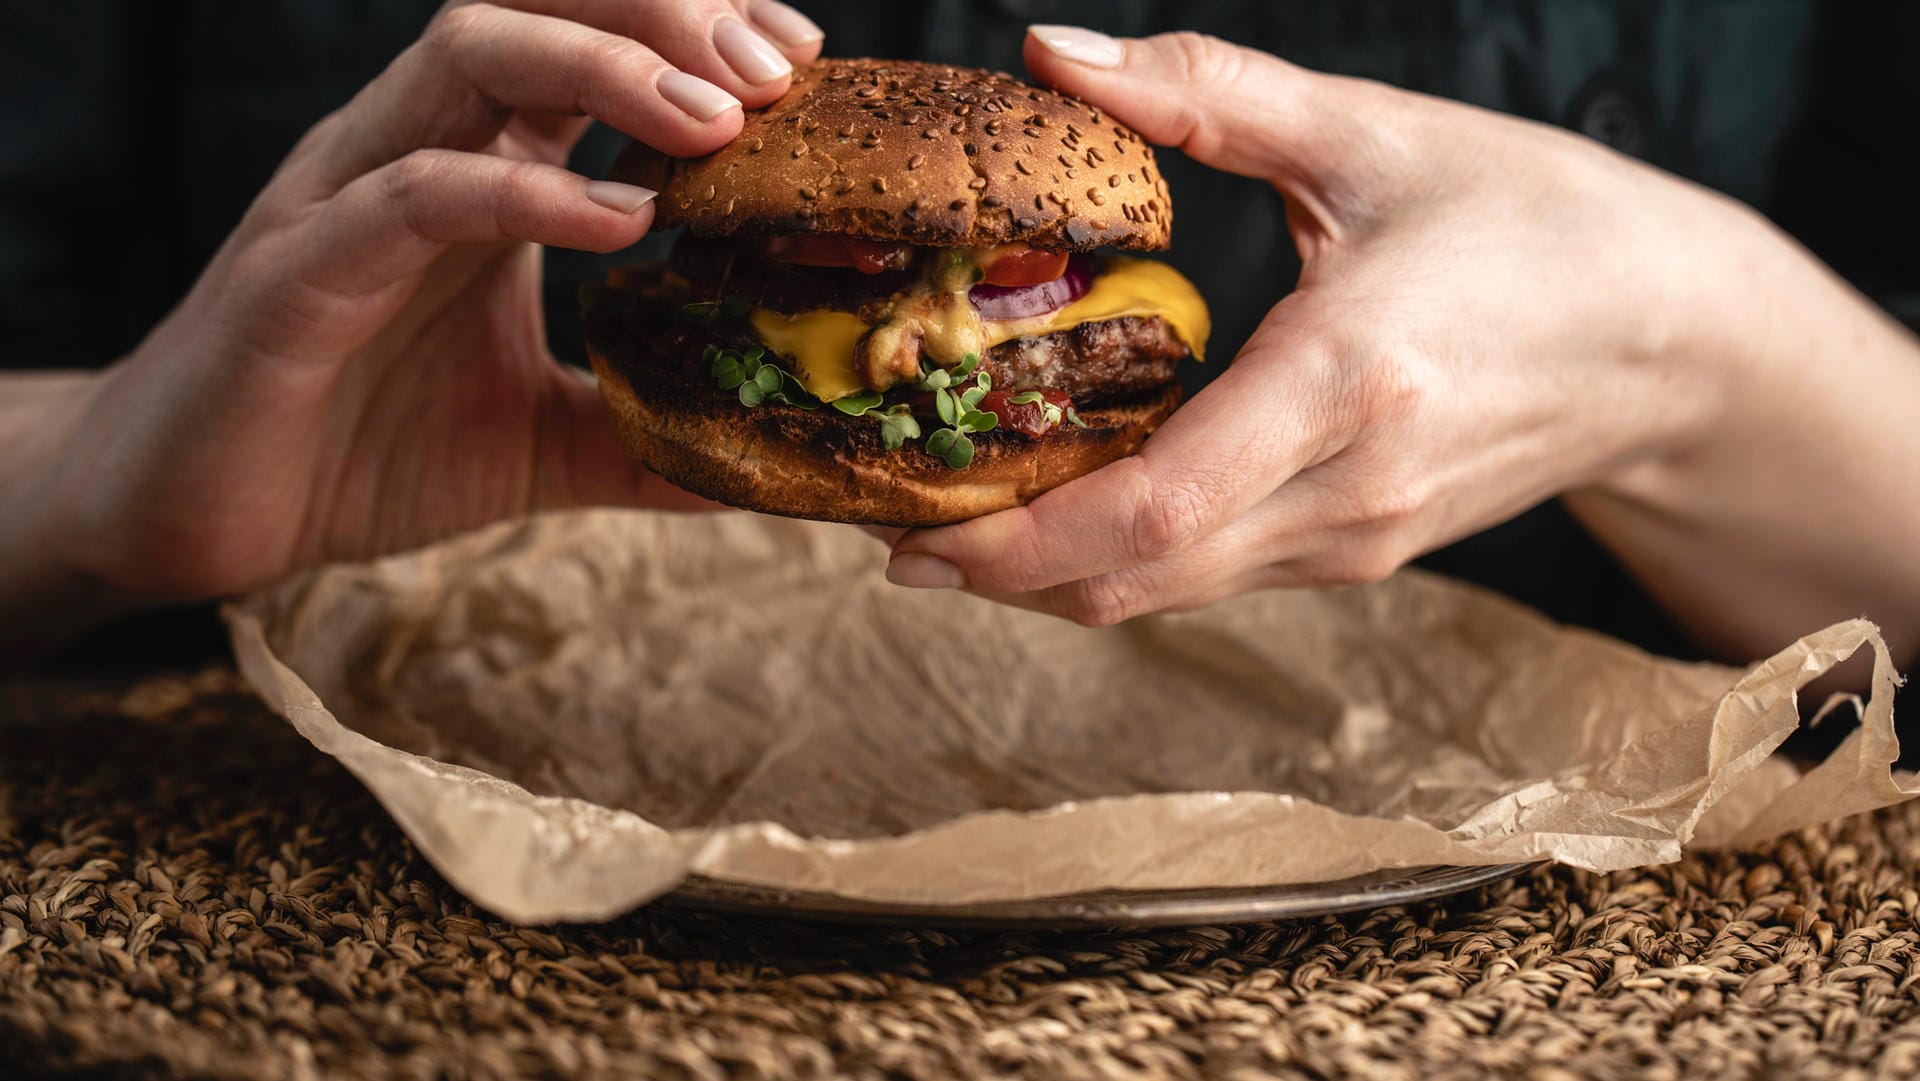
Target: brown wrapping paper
570, 714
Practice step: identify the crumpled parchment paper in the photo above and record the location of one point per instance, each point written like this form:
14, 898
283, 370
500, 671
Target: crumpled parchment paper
570, 714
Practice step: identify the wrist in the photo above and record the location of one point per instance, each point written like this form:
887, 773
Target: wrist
45, 593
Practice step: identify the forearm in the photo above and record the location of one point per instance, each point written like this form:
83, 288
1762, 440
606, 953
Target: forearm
1799, 505
43, 600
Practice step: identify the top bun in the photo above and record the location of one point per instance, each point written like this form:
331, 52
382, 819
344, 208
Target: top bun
921, 153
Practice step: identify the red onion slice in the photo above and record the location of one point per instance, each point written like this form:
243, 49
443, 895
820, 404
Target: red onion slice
1003, 303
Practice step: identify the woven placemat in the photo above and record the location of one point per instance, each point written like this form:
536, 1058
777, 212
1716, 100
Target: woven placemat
187, 889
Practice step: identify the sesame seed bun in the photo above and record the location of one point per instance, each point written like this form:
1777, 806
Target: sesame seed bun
922, 153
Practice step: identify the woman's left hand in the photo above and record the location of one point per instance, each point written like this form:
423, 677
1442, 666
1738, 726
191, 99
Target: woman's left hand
1491, 312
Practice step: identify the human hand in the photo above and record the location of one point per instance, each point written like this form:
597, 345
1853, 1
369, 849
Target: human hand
362, 367
1490, 312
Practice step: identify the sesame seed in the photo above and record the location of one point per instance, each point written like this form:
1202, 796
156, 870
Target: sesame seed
880, 184
916, 161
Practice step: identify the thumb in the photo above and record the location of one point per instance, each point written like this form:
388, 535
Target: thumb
1224, 105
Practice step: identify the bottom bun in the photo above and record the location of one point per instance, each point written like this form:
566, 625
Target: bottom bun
822, 464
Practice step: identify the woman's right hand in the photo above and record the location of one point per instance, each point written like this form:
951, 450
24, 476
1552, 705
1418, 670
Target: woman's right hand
362, 367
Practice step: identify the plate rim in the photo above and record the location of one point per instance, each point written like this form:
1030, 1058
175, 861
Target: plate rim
1102, 908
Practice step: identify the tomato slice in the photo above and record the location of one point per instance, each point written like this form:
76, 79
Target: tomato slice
1027, 418
818, 249
1025, 266
876, 256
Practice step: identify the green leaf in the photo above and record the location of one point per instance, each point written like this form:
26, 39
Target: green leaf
755, 354
985, 382
967, 364
751, 394
981, 422
1025, 397
897, 428
767, 379
735, 305
960, 455
730, 375
1074, 418
941, 441
972, 397
944, 404
701, 312
855, 404
1050, 413
936, 380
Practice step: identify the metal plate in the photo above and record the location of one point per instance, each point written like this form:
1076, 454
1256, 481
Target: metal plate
1112, 908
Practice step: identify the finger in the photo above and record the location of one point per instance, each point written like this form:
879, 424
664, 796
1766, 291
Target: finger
709, 38
581, 462
389, 224
799, 37
461, 82
1261, 421
1197, 575
1229, 107
1300, 537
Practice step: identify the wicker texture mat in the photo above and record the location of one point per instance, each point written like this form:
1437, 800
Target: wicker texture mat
187, 889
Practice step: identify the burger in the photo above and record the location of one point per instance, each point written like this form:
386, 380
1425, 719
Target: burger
899, 300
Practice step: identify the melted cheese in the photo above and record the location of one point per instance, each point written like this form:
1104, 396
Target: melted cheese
820, 346
820, 343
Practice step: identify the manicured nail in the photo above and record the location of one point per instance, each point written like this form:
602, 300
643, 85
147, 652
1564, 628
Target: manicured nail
916, 570
1080, 45
748, 53
626, 198
695, 96
783, 24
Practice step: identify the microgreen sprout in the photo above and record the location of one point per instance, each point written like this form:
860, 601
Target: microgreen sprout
896, 422
757, 379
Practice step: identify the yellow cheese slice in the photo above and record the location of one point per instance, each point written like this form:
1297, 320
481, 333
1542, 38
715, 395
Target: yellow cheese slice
819, 344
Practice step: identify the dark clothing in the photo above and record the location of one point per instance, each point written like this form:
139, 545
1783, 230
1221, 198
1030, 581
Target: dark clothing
136, 134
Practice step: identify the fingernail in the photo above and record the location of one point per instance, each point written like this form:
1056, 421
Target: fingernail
784, 24
916, 570
695, 96
748, 53
1080, 45
626, 198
